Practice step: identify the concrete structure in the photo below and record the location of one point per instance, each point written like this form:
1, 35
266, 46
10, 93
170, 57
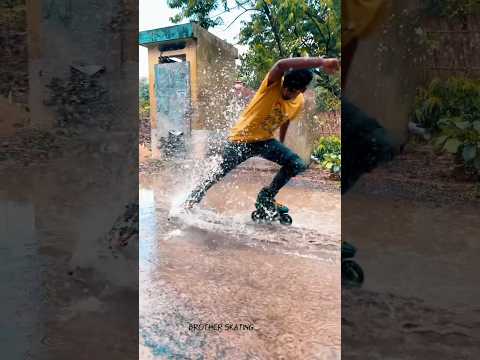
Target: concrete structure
386, 91
95, 38
191, 75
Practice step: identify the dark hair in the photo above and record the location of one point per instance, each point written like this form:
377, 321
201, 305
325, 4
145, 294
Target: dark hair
297, 79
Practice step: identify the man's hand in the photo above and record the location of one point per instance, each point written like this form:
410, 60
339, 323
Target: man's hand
331, 65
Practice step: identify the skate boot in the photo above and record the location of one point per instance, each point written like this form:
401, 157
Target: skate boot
192, 200
189, 204
282, 209
352, 273
268, 210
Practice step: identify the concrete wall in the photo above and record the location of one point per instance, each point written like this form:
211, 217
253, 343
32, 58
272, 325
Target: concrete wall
383, 75
304, 133
216, 78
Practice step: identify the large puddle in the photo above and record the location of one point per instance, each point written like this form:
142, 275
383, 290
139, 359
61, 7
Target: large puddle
274, 290
62, 279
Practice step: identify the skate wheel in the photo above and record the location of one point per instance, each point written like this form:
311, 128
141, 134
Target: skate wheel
256, 217
348, 250
352, 273
286, 219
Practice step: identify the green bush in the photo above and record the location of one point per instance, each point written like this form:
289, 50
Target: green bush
451, 111
143, 98
454, 97
328, 153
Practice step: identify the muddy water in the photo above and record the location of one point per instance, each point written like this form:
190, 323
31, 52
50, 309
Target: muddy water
61, 279
419, 243
420, 298
215, 266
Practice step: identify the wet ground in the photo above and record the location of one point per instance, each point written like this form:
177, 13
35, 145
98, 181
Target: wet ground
417, 237
267, 291
64, 288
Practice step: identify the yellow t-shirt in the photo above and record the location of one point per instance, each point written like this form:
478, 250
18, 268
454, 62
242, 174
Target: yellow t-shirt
265, 113
361, 17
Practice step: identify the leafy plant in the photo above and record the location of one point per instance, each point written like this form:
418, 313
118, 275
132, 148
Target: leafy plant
198, 10
461, 138
143, 98
454, 97
328, 153
333, 163
326, 101
451, 111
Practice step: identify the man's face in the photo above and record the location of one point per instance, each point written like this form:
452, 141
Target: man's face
290, 94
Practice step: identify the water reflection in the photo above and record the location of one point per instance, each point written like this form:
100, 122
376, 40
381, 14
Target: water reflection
64, 287
148, 228
21, 275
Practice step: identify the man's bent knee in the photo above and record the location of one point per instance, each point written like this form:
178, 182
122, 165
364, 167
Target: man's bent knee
297, 166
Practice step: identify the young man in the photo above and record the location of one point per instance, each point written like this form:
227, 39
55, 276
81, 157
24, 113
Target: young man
365, 143
277, 102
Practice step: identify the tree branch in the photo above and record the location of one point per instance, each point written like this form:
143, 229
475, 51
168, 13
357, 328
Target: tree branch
316, 24
239, 16
238, 4
275, 30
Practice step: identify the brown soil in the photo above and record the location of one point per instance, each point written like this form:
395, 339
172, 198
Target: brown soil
422, 174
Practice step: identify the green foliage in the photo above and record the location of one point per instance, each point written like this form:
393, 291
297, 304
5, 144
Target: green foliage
255, 64
327, 94
451, 110
454, 97
283, 28
278, 29
198, 11
333, 163
461, 138
328, 153
143, 97
451, 8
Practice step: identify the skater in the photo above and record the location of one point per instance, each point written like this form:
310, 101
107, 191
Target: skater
365, 143
277, 102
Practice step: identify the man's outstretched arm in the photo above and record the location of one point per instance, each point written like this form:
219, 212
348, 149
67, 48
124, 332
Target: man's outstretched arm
282, 66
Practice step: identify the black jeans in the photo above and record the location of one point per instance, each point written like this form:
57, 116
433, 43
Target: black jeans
365, 144
236, 153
